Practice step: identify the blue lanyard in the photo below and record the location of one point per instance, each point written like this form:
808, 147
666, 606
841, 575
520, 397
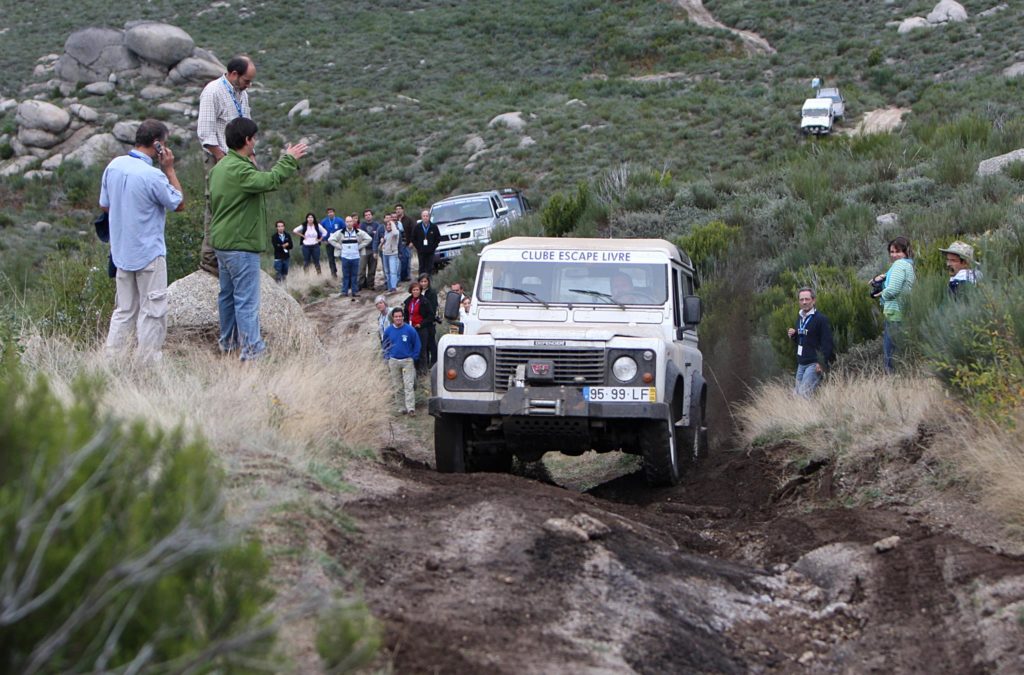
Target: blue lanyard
139, 155
803, 326
231, 93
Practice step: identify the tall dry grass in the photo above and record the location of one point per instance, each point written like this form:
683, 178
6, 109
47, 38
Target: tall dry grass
274, 417
848, 415
284, 429
992, 456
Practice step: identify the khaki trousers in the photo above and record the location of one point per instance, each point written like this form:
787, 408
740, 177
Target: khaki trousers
207, 256
141, 304
403, 378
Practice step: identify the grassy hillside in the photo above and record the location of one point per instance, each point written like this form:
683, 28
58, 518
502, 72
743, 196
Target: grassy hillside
466, 62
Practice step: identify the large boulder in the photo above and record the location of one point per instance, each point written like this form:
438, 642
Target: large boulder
512, 120
124, 130
84, 112
913, 23
42, 115
193, 69
192, 313
100, 148
92, 54
947, 10
992, 165
159, 42
17, 166
37, 138
1016, 70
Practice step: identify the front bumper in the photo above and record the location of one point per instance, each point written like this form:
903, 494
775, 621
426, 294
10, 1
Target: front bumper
548, 402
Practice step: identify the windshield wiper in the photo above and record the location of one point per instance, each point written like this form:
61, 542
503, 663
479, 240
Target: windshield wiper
530, 295
598, 294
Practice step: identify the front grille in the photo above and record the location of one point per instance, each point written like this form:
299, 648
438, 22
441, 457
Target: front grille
456, 236
587, 364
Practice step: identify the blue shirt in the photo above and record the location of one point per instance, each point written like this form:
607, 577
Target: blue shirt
138, 196
332, 225
401, 343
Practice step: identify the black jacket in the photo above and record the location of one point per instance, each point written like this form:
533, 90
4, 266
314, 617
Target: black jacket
816, 339
433, 238
282, 249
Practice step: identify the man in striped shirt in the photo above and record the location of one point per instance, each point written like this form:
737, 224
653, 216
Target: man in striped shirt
222, 100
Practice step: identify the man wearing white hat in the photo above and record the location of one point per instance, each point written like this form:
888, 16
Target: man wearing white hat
959, 261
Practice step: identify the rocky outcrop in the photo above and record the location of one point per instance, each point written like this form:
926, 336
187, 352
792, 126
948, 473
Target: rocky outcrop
159, 43
146, 50
92, 54
192, 313
99, 148
156, 60
43, 116
512, 120
993, 165
945, 11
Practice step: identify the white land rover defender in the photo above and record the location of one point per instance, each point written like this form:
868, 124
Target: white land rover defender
574, 345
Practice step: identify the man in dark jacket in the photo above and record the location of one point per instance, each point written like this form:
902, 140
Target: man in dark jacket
425, 238
813, 338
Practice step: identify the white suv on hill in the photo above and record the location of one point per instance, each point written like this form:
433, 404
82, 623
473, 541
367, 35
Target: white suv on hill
574, 345
465, 220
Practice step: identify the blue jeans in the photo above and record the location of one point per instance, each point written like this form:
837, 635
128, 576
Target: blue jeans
281, 269
807, 379
311, 254
349, 276
391, 268
889, 337
239, 303
404, 262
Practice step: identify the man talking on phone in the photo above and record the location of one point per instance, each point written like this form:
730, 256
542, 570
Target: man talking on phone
137, 190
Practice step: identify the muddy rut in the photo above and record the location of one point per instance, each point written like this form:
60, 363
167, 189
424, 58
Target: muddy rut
740, 568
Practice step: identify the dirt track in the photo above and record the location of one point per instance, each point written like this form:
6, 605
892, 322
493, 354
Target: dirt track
740, 568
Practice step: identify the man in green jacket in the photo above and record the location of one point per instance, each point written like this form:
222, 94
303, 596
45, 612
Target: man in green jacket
238, 233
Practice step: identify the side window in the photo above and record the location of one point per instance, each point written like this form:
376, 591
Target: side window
677, 300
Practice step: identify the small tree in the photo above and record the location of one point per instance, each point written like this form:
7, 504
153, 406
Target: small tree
115, 554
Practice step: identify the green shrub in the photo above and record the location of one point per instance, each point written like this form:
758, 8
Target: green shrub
709, 246
116, 551
74, 295
952, 165
347, 636
1015, 170
841, 296
563, 213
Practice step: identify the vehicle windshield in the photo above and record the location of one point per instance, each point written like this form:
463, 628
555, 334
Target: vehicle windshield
451, 212
816, 112
576, 283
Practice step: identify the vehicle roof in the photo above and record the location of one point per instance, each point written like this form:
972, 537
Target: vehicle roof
467, 196
647, 245
828, 91
816, 102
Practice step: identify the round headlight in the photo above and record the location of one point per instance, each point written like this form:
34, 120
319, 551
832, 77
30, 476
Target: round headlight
624, 368
475, 366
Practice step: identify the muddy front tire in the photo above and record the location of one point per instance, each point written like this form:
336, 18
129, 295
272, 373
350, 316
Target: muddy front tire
659, 448
450, 443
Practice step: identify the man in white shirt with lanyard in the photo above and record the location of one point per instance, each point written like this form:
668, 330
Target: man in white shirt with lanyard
222, 100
